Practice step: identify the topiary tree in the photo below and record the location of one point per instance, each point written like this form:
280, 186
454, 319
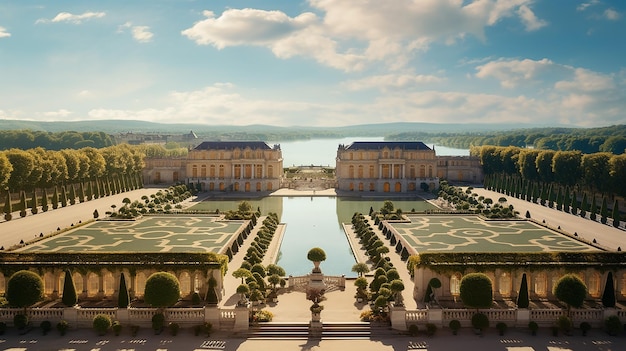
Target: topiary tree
123, 299
316, 255
8, 207
101, 323
608, 295
476, 290
571, 290
243, 290
396, 287
24, 288
360, 268
69, 298
242, 273
480, 321
162, 290
522, 296
22, 203
615, 214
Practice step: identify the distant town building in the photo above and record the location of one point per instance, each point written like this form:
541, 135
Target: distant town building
235, 166
381, 166
187, 139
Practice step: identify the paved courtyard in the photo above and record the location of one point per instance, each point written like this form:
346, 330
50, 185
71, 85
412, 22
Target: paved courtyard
456, 233
147, 234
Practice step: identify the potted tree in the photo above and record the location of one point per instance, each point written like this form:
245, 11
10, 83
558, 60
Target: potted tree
502, 327
361, 289
101, 323
533, 326
24, 288
162, 290
454, 325
613, 325
585, 327
316, 255
480, 322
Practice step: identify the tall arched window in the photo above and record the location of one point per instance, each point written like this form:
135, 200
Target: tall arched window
185, 284
109, 284
504, 284
78, 282
270, 171
194, 171
455, 284
203, 171
351, 172
594, 284
212, 171
541, 284
48, 283
93, 284
140, 283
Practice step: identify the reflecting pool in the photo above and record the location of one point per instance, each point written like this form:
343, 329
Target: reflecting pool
315, 221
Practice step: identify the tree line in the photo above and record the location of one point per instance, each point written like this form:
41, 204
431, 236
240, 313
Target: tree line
591, 140
29, 139
597, 172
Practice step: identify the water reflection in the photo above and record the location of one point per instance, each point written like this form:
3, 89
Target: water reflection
315, 222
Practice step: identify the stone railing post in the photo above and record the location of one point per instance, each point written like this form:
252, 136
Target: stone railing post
212, 315
70, 315
122, 315
522, 317
397, 314
435, 316
241, 319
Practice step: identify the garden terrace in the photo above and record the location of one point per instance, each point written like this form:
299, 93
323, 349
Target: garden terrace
470, 233
150, 234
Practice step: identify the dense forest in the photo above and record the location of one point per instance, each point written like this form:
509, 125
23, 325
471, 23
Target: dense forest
591, 140
29, 139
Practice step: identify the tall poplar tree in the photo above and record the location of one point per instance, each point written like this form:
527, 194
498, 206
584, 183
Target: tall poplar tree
615, 214
69, 298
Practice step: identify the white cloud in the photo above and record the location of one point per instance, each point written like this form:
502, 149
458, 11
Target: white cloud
71, 18
612, 15
511, 72
392, 81
529, 19
246, 27
350, 34
58, 113
586, 5
4, 33
141, 34
586, 81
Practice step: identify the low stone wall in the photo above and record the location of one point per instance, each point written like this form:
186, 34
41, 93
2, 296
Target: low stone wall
402, 318
234, 319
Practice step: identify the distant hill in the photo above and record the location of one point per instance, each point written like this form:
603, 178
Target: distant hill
203, 130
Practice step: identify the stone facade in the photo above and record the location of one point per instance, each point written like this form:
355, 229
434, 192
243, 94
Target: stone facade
460, 169
397, 167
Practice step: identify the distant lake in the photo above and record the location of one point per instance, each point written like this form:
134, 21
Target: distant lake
322, 152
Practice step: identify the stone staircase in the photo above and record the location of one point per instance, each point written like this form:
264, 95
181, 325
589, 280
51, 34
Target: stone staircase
336, 330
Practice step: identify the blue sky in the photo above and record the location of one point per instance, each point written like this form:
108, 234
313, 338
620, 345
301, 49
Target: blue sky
315, 62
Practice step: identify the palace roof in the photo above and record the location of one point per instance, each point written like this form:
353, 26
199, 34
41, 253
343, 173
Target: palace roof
230, 145
377, 145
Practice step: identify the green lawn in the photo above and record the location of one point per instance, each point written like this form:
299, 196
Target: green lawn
472, 234
148, 234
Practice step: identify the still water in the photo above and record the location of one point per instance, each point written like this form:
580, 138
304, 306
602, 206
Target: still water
322, 152
315, 222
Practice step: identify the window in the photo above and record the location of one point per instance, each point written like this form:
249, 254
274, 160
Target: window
541, 280
185, 284
194, 171
212, 171
505, 284
351, 172
594, 285
203, 171
360, 174
455, 284
140, 283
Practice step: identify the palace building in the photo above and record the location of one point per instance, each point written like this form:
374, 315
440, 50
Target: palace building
381, 166
235, 166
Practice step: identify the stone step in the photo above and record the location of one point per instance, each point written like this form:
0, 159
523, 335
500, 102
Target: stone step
301, 331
